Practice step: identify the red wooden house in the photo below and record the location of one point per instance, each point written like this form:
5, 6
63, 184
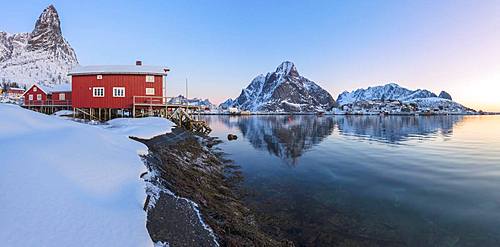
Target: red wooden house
114, 87
38, 95
117, 87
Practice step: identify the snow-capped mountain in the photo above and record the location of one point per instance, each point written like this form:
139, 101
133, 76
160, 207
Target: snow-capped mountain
42, 56
391, 91
194, 101
422, 98
226, 104
283, 91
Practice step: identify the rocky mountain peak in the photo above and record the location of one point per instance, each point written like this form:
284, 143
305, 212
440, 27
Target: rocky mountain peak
445, 95
47, 32
283, 91
42, 56
287, 68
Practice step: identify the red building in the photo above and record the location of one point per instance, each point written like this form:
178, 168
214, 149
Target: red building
38, 95
118, 86
15, 93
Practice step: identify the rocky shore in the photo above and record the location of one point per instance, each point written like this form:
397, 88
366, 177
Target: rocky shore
193, 196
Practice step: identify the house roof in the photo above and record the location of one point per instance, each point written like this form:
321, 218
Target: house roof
119, 69
66, 87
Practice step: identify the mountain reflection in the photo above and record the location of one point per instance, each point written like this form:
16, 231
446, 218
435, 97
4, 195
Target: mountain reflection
288, 137
396, 129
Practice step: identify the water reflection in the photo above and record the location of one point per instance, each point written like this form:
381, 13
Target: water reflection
289, 137
371, 180
397, 129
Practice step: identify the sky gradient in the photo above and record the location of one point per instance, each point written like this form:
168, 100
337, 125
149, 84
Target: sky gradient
220, 46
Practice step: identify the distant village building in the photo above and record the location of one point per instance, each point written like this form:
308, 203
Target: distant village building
15, 92
38, 95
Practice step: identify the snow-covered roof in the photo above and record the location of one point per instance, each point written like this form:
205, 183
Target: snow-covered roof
119, 69
65, 87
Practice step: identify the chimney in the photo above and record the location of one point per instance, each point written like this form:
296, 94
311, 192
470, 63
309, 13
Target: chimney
138, 63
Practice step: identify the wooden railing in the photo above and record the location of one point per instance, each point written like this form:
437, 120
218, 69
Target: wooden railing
48, 102
155, 101
151, 100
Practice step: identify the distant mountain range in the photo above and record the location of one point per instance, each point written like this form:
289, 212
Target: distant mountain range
194, 101
42, 56
423, 98
283, 90
391, 91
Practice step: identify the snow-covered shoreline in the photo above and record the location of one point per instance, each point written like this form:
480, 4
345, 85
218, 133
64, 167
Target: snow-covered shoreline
64, 183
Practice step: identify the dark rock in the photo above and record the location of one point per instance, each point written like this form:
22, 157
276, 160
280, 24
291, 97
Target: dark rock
232, 137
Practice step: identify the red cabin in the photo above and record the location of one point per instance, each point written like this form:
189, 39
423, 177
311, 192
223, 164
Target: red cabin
15, 93
38, 95
118, 86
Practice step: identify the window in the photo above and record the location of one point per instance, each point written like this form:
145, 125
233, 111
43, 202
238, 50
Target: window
35, 89
30, 97
150, 91
38, 97
150, 78
62, 96
99, 77
98, 92
118, 92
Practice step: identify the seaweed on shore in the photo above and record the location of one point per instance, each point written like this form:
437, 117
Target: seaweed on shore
194, 168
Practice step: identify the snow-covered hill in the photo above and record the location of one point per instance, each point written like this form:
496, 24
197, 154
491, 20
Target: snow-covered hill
283, 91
42, 56
392, 91
65, 183
194, 101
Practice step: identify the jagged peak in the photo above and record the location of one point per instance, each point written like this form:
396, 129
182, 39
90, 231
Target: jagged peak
445, 95
49, 19
287, 68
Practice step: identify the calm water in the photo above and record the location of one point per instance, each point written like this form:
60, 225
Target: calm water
371, 181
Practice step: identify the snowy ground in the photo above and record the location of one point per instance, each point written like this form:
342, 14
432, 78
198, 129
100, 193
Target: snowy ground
144, 128
64, 183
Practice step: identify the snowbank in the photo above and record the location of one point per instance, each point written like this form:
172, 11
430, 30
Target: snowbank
64, 183
144, 128
63, 113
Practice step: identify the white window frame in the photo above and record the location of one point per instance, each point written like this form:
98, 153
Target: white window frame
99, 77
150, 91
35, 89
118, 92
98, 92
150, 78
38, 97
30, 97
62, 96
